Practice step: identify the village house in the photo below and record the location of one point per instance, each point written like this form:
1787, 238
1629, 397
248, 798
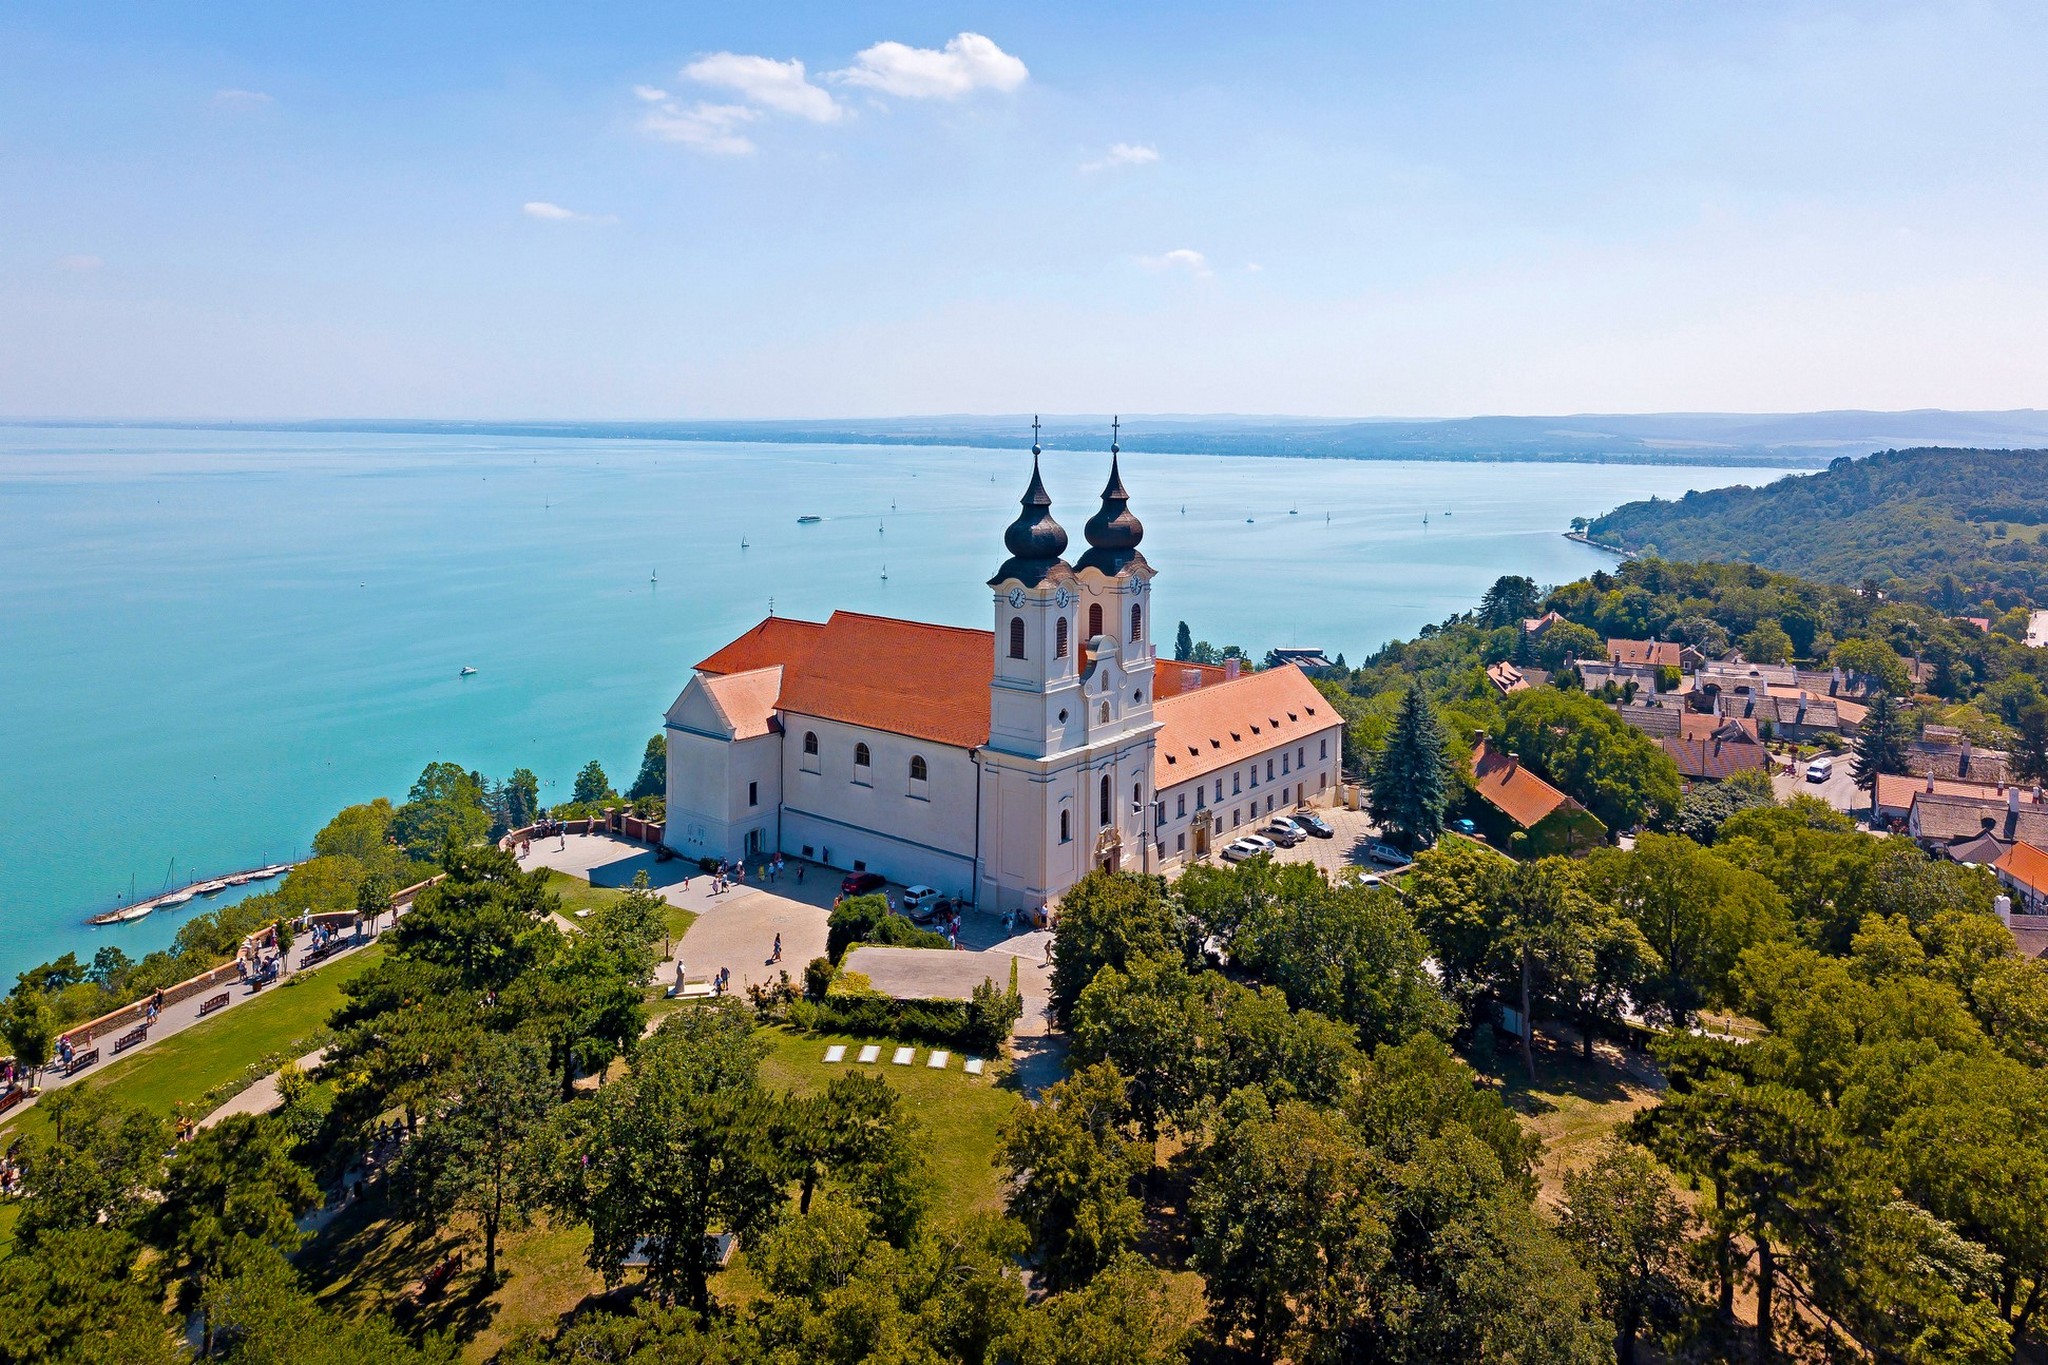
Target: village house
1943, 751
2023, 869
1941, 822
1515, 800
1654, 654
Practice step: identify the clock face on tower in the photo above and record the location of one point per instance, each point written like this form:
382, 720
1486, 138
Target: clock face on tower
1063, 599
1016, 597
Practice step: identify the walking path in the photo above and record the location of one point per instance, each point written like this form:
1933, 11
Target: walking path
180, 1015
262, 1097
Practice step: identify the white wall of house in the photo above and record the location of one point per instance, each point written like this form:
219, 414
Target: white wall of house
1305, 773
878, 818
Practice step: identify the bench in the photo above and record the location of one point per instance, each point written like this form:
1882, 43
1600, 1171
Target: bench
80, 1061
212, 1003
132, 1038
13, 1097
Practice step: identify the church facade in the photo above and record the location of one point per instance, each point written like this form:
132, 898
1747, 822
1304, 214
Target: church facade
1000, 766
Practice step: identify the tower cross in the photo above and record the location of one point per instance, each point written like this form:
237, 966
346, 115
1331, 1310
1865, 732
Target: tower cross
1114, 422
1034, 433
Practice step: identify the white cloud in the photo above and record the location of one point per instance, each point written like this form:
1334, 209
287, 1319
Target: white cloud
1123, 154
707, 127
967, 63
781, 86
240, 99
1181, 258
650, 94
79, 265
555, 213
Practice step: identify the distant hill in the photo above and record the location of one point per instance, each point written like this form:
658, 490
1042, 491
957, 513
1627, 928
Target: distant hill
1913, 515
1789, 440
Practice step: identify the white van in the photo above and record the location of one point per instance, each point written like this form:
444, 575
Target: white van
1821, 769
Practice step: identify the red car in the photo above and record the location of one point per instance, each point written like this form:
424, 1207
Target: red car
861, 883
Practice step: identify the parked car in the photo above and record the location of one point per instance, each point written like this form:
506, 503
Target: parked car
861, 883
1237, 850
1315, 824
1284, 832
1821, 769
1372, 879
1263, 844
1466, 828
921, 903
1384, 853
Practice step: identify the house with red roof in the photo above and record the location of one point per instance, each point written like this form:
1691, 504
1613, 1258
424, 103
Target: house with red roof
1000, 765
1523, 813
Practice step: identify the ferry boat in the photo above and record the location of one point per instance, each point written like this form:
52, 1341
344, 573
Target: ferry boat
467, 669
808, 521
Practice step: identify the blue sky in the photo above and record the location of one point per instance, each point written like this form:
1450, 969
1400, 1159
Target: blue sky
637, 210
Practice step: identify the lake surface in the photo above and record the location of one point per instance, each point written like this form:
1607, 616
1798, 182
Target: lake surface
209, 641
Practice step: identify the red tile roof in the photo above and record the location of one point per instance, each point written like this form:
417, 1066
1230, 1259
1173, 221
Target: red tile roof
1172, 677
746, 700
1711, 759
1223, 723
905, 677
1512, 788
778, 640
2027, 865
1645, 653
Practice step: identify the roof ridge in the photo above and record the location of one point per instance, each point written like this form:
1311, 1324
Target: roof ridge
906, 621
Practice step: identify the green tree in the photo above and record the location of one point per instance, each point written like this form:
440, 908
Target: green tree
1408, 790
1767, 644
93, 1163
857, 1133
1630, 1229
1183, 643
472, 1157
1612, 769
361, 832
1875, 660
444, 807
653, 777
592, 786
1108, 919
1882, 742
1511, 600
76, 1298
233, 1185
1564, 641
683, 1144
266, 1317
1070, 1171
1289, 1228
30, 1028
2030, 751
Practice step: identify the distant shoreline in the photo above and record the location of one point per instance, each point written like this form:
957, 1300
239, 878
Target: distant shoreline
1352, 441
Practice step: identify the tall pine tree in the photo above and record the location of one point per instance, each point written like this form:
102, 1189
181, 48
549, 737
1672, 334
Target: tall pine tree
1183, 643
1881, 744
1408, 791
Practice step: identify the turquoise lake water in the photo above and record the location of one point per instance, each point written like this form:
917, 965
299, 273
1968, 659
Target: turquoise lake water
209, 641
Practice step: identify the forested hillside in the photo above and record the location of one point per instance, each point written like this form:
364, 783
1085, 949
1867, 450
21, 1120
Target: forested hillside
1962, 526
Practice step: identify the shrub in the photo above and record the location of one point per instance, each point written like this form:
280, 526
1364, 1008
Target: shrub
868, 919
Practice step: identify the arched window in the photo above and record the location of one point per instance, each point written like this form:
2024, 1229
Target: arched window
1137, 622
861, 757
810, 741
1016, 637
1137, 795
918, 772
1105, 799
1094, 619
1105, 713
1059, 639
1066, 825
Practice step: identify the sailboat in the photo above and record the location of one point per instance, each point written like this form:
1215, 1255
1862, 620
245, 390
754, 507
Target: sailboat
885, 573
1294, 511
653, 575
743, 542
880, 529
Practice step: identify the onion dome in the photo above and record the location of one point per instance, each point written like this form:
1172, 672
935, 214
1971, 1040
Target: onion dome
1114, 531
1035, 541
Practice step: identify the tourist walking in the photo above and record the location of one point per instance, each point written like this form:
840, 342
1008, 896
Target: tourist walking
778, 949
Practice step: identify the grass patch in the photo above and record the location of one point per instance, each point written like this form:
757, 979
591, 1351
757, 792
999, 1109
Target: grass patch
578, 894
960, 1113
1574, 1105
286, 1019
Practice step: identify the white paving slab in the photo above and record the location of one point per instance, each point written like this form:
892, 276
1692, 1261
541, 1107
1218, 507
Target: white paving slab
937, 1061
836, 1053
974, 1065
870, 1053
903, 1056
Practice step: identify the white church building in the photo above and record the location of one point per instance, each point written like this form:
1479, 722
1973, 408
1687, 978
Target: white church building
1000, 766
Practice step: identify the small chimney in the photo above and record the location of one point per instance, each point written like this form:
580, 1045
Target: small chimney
2003, 908
1230, 668
2012, 800
1514, 762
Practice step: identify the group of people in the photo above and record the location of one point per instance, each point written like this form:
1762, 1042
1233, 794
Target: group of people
10, 1170
729, 875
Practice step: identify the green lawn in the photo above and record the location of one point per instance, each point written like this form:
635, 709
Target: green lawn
286, 1019
1574, 1106
960, 1113
578, 894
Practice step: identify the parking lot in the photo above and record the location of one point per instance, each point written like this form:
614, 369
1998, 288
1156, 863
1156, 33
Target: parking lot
1346, 849
1839, 791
